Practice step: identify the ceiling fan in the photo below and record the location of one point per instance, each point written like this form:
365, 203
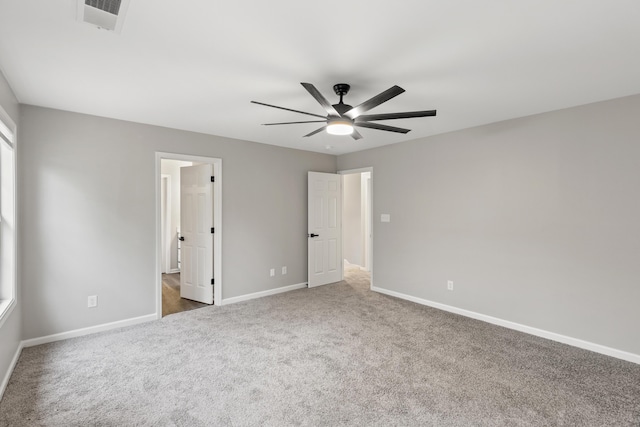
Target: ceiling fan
341, 118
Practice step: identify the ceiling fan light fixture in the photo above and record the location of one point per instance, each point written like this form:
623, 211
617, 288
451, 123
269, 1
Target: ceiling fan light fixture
340, 127
342, 118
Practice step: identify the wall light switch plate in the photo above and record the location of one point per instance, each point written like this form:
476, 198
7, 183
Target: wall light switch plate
92, 301
272, 272
284, 270
450, 285
385, 218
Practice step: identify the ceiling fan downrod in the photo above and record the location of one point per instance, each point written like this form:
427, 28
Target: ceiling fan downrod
341, 89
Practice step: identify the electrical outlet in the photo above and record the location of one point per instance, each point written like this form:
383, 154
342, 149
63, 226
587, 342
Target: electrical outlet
450, 285
92, 301
284, 270
272, 272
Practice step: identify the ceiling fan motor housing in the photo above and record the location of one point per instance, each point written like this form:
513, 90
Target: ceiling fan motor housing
342, 108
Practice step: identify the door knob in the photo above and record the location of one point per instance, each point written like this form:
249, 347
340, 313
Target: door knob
313, 235
181, 238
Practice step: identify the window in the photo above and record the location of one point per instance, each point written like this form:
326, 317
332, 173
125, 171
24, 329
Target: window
8, 263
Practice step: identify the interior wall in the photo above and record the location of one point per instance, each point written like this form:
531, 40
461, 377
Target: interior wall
352, 219
535, 220
172, 167
10, 331
89, 222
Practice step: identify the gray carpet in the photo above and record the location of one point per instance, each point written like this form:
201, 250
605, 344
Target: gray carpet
334, 355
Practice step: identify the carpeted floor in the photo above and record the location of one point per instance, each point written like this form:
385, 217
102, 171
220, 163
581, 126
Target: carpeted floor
329, 356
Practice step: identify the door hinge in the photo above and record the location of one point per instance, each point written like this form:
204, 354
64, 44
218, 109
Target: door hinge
213, 230
213, 179
213, 281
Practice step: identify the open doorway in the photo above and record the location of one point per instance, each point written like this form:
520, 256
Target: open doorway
170, 210
357, 233
189, 202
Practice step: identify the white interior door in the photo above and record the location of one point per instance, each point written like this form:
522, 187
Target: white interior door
165, 213
368, 217
325, 228
196, 226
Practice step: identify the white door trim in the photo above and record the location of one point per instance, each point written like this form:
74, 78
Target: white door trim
360, 170
217, 223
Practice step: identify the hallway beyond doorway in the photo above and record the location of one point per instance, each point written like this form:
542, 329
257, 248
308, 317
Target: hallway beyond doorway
171, 301
355, 276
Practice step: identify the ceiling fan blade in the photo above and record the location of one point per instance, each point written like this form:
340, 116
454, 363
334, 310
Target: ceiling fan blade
381, 127
315, 131
288, 109
374, 102
321, 99
294, 123
392, 116
356, 135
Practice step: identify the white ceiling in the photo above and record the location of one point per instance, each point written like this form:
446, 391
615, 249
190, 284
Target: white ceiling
197, 64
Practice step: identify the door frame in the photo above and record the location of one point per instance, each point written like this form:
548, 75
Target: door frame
370, 209
217, 222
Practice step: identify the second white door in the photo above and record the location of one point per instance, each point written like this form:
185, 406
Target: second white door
196, 233
325, 228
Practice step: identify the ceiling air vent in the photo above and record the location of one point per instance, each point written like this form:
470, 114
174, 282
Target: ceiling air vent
105, 14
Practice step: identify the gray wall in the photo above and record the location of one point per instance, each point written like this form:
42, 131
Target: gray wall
352, 219
10, 332
536, 220
89, 215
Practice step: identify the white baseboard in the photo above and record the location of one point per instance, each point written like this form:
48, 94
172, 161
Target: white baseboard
255, 295
67, 335
619, 354
90, 330
174, 270
12, 365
